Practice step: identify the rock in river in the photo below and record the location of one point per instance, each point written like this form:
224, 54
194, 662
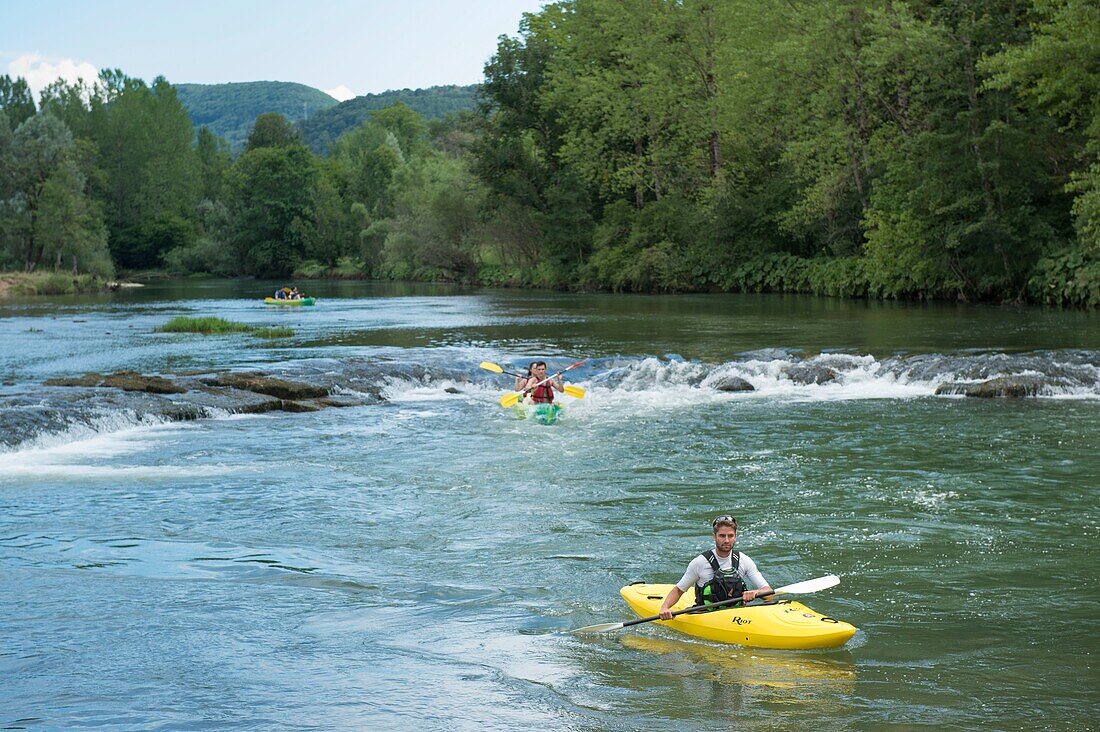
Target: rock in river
733, 383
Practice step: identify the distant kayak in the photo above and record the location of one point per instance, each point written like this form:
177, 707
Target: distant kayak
780, 624
303, 301
541, 413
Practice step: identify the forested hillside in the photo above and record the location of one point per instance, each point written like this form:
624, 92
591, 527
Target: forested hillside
230, 109
435, 102
916, 150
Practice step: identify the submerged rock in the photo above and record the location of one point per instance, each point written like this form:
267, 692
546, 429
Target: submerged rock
1003, 386
125, 380
1006, 386
811, 373
733, 383
288, 405
89, 379
270, 385
233, 401
342, 401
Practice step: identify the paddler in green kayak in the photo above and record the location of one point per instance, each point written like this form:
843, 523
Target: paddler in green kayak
719, 573
543, 393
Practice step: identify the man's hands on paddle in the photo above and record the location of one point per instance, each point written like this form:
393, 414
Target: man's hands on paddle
675, 594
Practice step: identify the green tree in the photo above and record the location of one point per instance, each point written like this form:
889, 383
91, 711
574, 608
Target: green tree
151, 168
369, 155
272, 130
16, 100
69, 227
214, 160
1058, 73
436, 231
41, 144
271, 196
618, 80
46, 212
328, 230
965, 207
404, 124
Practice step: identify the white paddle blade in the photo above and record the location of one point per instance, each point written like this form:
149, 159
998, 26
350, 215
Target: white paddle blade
601, 628
814, 585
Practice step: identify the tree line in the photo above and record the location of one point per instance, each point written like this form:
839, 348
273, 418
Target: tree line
863, 148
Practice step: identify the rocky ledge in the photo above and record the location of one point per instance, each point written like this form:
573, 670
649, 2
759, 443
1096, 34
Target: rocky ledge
1003, 386
197, 395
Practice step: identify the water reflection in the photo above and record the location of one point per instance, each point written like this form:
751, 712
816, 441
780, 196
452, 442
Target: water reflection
792, 674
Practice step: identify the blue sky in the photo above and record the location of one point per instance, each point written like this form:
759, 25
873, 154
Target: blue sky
364, 47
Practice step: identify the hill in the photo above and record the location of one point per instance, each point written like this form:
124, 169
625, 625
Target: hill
435, 102
230, 109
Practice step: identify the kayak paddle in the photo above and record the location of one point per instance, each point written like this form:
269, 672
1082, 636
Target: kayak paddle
798, 588
490, 366
512, 397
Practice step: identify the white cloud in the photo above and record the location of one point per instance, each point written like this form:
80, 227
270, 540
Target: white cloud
341, 93
40, 71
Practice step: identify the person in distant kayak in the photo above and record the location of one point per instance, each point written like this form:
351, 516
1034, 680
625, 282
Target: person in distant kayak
720, 573
280, 294
294, 294
543, 394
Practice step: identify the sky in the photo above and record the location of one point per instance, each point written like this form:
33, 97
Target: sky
344, 47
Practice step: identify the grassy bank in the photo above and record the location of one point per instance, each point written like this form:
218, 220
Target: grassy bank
22, 284
219, 326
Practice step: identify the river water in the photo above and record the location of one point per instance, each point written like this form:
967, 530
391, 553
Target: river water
421, 560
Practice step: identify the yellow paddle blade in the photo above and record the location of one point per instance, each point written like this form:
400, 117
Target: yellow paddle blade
509, 400
488, 366
574, 391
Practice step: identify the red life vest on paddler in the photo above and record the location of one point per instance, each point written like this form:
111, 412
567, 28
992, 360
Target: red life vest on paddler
543, 394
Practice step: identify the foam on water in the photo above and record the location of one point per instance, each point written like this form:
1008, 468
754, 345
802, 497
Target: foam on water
624, 387
87, 451
103, 472
105, 435
617, 387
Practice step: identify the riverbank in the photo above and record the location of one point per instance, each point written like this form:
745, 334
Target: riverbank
1068, 280
1071, 280
22, 284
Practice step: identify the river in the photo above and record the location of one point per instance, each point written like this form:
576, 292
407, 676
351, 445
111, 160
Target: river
421, 559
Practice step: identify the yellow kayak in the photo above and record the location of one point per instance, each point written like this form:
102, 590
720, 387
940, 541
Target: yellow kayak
784, 624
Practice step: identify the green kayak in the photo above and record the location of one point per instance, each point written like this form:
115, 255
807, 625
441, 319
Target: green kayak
541, 413
302, 301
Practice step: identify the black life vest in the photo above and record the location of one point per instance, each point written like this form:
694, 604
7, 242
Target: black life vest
725, 585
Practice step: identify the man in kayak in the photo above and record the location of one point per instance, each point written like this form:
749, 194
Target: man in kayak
719, 573
543, 394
